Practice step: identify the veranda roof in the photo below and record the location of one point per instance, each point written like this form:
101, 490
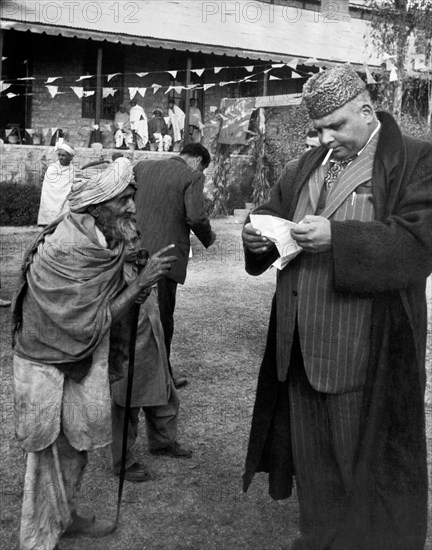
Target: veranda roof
254, 30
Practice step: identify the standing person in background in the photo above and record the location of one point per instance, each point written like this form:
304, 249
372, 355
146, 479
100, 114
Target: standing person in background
177, 120
170, 203
195, 122
138, 124
56, 186
340, 397
153, 388
312, 140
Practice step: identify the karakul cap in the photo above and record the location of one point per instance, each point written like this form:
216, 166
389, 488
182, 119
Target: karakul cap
330, 90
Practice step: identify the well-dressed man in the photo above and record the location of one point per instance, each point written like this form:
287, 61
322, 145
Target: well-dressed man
340, 395
170, 204
72, 294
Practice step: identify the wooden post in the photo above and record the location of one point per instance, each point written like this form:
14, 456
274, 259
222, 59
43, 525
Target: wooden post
1, 52
98, 107
186, 136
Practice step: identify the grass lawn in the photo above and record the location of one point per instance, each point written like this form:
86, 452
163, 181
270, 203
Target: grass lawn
221, 320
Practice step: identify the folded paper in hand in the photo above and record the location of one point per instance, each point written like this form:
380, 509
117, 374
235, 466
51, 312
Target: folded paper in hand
278, 231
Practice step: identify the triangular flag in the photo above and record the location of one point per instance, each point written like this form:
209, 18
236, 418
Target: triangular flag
173, 73
108, 91
267, 70
226, 83
217, 69
141, 74
53, 130
30, 131
320, 70
110, 76
389, 64
293, 63
45, 132
3, 86
8, 131
295, 75
4, 58
369, 78
53, 90
199, 72
387, 56
249, 68
209, 85
27, 78
52, 79
155, 87
84, 77
271, 77
277, 65
78, 90
10, 95
393, 75
142, 91
89, 93
132, 92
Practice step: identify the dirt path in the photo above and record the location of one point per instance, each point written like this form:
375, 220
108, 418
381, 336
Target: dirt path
197, 504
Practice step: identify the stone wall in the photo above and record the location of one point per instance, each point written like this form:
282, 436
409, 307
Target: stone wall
28, 163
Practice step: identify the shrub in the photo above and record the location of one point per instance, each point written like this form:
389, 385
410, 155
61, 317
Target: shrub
19, 203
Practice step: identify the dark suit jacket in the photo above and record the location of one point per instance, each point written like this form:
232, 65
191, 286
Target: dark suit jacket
169, 202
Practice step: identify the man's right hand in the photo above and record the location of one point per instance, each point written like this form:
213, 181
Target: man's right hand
254, 241
156, 267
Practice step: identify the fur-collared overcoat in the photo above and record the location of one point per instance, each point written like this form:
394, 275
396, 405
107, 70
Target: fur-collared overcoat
388, 259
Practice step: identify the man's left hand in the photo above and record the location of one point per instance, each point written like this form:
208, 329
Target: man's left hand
313, 234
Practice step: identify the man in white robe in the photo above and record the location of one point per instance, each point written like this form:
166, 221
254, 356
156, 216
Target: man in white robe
56, 185
138, 124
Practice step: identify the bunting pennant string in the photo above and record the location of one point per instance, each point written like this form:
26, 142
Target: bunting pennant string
134, 90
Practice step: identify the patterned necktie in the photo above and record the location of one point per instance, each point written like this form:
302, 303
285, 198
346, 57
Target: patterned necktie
335, 169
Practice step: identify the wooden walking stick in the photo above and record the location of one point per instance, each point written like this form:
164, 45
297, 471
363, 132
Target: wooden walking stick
142, 260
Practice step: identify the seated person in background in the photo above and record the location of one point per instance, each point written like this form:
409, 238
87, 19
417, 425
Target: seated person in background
158, 131
56, 185
153, 387
138, 124
122, 127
